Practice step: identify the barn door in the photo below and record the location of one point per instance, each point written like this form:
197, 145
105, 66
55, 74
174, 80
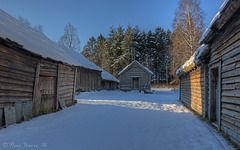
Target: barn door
47, 87
135, 82
215, 94
44, 88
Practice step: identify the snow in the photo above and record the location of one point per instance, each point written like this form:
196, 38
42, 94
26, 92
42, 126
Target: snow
188, 65
115, 120
208, 30
217, 16
200, 52
194, 59
138, 64
108, 76
223, 5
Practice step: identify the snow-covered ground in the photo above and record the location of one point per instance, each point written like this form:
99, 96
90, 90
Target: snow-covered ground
115, 120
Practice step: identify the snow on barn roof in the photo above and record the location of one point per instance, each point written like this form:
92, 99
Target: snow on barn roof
208, 31
108, 76
38, 43
128, 66
194, 60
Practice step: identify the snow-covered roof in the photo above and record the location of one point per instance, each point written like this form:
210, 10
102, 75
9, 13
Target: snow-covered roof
194, 60
135, 62
108, 76
208, 31
38, 43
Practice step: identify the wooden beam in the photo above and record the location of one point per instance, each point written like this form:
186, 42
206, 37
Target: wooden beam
57, 86
74, 86
36, 94
219, 93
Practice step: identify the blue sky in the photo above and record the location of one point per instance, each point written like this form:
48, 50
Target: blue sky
93, 17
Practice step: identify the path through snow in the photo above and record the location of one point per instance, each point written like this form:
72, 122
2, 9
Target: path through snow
115, 120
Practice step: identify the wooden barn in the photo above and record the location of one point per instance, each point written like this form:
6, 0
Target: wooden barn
210, 86
36, 75
135, 77
88, 76
109, 82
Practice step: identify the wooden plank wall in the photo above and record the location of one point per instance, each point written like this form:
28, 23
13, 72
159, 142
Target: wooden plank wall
17, 73
45, 87
192, 92
226, 48
135, 70
66, 83
88, 80
109, 85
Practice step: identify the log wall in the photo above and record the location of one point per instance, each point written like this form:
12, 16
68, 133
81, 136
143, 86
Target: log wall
109, 85
27, 78
17, 73
127, 77
66, 83
192, 90
88, 80
226, 49
44, 98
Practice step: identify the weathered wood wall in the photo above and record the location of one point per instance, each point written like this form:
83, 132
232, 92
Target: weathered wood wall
17, 73
88, 80
45, 88
66, 83
192, 90
226, 50
27, 77
135, 70
109, 85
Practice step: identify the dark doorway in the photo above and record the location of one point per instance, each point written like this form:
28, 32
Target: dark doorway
135, 83
214, 96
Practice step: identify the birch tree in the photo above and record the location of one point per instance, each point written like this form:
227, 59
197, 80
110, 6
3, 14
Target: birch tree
188, 27
70, 38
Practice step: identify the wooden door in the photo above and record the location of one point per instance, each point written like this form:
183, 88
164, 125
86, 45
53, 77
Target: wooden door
215, 94
135, 83
47, 87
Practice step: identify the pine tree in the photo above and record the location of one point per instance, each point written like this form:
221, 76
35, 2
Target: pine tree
127, 48
117, 51
150, 49
100, 50
89, 50
141, 48
110, 49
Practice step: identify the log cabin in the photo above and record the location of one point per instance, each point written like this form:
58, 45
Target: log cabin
209, 84
135, 77
36, 75
90, 77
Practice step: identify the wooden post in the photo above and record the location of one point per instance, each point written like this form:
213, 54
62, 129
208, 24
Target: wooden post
74, 85
205, 91
219, 93
210, 92
57, 86
36, 96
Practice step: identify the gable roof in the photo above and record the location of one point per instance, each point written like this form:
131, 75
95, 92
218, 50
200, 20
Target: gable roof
137, 63
107, 76
226, 11
37, 43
